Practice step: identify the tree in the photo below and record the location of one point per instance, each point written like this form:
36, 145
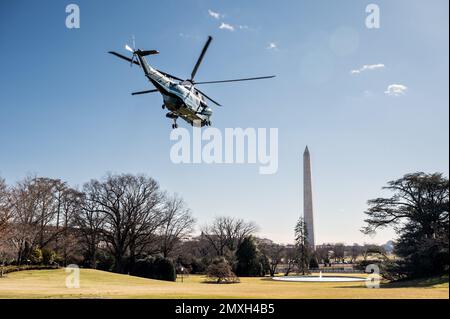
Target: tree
355, 252
418, 210
33, 212
302, 246
41, 212
248, 259
313, 263
227, 233
177, 223
323, 253
274, 254
90, 222
5, 209
290, 257
132, 208
69, 204
339, 252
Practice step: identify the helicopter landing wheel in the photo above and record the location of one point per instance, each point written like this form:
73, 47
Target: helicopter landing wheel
163, 106
174, 125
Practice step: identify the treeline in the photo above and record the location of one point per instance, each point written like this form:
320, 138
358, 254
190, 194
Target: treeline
122, 223
127, 224
108, 223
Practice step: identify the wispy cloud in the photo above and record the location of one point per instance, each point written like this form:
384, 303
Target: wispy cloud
367, 67
396, 90
226, 26
215, 15
272, 46
190, 36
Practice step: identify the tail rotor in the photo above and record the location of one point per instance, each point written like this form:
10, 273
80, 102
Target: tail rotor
132, 50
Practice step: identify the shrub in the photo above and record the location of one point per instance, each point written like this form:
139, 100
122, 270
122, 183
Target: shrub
220, 272
48, 256
8, 269
155, 268
36, 256
199, 266
105, 261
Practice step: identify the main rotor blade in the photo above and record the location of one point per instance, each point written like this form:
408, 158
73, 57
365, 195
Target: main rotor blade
147, 52
144, 92
237, 80
200, 58
123, 57
216, 103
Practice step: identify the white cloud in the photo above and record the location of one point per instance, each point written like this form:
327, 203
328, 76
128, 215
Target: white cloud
215, 15
272, 46
396, 90
367, 67
226, 26
242, 27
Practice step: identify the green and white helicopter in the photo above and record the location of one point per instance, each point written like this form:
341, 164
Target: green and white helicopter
181, 97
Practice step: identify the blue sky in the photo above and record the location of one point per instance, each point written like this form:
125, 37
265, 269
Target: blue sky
66, 109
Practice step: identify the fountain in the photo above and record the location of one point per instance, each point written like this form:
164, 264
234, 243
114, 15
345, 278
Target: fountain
320, 278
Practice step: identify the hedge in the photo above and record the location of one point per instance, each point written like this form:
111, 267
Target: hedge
8, 269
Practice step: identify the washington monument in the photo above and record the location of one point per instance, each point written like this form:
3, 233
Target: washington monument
307, 198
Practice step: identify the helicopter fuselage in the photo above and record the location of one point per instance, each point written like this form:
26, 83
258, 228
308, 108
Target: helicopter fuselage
181, 99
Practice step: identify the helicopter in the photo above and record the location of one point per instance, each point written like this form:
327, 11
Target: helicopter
180, 97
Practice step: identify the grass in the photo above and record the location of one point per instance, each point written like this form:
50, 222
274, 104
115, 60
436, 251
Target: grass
100, 284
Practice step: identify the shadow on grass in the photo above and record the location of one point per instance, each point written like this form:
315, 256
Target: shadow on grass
417, 283
410, 283
267, 279
219, 283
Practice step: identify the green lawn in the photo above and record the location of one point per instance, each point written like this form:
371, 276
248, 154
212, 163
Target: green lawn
100, 284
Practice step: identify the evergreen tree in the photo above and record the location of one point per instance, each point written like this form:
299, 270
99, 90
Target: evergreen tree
248, 259
302, 246
418, 211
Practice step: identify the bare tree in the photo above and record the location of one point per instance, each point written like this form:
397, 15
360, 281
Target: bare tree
339, 252
227, 233
177, 223
355, 252
274, 253
69, 205
33, 209
89, 221
132, 209
5, 209
290, 259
